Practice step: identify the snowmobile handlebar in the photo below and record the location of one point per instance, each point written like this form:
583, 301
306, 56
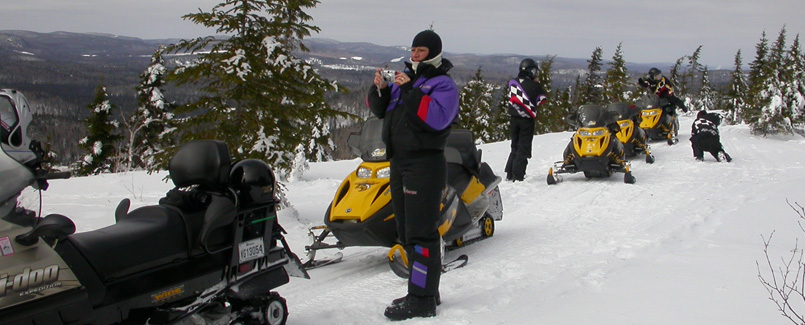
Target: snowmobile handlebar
57, 175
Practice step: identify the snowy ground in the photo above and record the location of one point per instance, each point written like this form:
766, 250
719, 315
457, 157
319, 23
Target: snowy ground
678, 247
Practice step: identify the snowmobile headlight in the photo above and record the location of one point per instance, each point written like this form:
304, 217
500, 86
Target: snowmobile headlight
625, 124
584, 133
649, 113
364, 172
598, 133
384, 172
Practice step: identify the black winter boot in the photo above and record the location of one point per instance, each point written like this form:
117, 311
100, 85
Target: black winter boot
398, 301
412, 306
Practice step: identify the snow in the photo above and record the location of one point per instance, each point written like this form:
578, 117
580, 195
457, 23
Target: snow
678, 247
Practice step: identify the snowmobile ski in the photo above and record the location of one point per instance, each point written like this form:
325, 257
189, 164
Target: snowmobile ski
312, 264
459, 262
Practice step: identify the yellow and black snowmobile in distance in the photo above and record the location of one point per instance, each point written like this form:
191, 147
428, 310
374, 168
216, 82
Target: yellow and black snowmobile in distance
657, 119
361, 212
594, 149
630, 135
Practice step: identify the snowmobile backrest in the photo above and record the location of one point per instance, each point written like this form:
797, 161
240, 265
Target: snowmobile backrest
461, 149
201, 162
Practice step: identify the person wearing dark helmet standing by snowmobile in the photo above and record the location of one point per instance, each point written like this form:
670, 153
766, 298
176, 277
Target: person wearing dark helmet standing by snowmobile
655, 82
417, 108
704, 137
525, 95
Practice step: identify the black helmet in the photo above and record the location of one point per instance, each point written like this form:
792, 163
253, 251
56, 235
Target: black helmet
528, 68
654, 72
254, 182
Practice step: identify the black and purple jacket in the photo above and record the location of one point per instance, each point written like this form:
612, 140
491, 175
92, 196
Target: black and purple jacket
417, 116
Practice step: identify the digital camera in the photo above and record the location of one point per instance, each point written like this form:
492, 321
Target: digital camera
387, 75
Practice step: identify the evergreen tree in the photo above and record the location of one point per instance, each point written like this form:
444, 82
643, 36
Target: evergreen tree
256, 95
477, 110
775, 115
757, 79
101, 141
565, 105
708, 98
549, 117
575, 94
592, 90
617, 86
675, 74
735, 98
794, 91
150, 128
691, 78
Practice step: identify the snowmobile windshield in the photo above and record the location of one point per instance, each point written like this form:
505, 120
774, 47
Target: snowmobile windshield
368, 144
621, 109
592, 116
14, 177
649, 102
8, 117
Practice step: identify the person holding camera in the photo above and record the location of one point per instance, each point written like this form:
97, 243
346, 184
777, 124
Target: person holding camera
418, 107
525, 95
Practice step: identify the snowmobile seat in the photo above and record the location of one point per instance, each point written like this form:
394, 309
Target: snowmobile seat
148, 237
461, 150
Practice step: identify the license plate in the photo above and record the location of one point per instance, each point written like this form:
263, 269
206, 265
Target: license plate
251, 250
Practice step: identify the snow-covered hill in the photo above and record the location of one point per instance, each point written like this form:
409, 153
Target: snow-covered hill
678, 247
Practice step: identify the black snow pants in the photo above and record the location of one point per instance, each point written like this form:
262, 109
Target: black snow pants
521, 131
702, 143
416, 192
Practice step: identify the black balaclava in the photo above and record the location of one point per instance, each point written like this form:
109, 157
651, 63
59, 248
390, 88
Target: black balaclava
429, 39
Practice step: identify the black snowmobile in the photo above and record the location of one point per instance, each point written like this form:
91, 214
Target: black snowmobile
630, 135
658, 119
361, 213
208, 253
593, 150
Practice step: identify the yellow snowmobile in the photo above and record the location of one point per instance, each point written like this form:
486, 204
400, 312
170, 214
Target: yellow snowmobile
361, 213
658, 120
593, 149
630, 135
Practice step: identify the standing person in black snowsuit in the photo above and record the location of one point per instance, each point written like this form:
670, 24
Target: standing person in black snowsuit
655, 82
525, 95
417, 109
704, 137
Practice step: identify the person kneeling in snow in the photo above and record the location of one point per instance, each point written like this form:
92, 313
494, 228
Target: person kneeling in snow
704, 137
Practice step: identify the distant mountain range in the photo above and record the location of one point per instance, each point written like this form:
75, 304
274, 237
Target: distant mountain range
61, 58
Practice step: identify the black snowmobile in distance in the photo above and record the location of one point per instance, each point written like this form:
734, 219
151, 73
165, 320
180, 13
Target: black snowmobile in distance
630, 135
361, 213
657, 119
208, 253
593, 150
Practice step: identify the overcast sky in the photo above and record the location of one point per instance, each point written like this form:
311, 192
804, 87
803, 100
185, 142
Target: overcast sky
651, 31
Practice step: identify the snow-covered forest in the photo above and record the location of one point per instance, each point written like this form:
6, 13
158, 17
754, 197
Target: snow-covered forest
253, 90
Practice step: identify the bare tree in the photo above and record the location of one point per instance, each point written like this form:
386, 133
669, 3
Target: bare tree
785, 282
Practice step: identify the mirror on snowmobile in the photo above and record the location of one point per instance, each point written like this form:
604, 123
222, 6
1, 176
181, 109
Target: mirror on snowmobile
122, 209
53, 225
